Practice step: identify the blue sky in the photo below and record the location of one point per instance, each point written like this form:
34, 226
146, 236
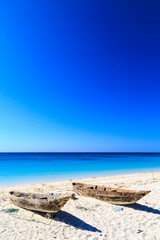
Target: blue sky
79, 75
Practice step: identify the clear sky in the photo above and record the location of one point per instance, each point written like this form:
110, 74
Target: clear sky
80, 75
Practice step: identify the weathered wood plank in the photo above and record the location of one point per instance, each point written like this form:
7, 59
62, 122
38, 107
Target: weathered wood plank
38, 202
108, 194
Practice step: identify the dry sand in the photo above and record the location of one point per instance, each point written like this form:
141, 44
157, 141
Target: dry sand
87, 218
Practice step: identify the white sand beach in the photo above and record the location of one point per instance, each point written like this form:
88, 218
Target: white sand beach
87, 218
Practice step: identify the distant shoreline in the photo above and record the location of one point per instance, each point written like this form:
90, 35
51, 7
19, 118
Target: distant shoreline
25, 168
86, 177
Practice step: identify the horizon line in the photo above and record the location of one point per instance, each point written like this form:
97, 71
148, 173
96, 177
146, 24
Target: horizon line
82, 152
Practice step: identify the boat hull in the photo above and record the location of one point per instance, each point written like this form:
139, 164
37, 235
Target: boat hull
111, 195
41, 204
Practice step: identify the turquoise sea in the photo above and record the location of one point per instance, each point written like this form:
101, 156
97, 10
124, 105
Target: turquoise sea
19, 168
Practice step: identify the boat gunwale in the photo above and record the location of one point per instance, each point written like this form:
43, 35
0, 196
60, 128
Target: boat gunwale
31, 198
109, 189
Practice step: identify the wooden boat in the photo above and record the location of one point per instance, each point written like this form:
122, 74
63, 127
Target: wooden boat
39, 202
111, 195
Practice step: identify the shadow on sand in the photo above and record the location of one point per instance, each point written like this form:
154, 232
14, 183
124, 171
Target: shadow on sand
140, 207
71, 220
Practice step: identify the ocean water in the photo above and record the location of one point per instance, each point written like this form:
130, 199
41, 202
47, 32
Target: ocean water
19, 168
